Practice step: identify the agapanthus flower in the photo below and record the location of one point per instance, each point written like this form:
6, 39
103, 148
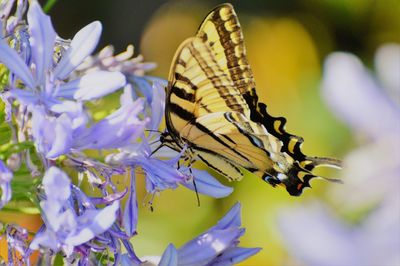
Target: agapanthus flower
44, 80
123, 62
371, 171
9, 21
47, 83
65, 228
55, 136
371, 174
17, 240
217, 246
316, 237
5, 184
165, 174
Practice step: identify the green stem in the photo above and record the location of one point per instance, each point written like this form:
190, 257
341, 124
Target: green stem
49, 5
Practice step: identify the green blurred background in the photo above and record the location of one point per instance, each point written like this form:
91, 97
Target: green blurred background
286, 43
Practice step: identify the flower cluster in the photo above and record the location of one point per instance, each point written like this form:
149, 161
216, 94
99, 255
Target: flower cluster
371, 173
48, 128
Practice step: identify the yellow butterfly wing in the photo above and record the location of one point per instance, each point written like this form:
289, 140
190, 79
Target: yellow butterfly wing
212, 108
222, 32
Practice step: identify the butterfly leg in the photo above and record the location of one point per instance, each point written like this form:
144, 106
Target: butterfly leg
194, 181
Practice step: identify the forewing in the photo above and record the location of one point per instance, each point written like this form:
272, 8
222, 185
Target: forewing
222, 32
199, 86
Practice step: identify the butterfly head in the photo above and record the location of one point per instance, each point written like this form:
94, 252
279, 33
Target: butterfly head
166, 139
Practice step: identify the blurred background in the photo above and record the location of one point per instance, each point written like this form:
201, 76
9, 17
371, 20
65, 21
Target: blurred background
287, 42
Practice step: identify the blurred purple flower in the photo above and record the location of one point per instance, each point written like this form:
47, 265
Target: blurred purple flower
217, 246
17, 241
5, 184
373, 170
316, 238
45, 86
371, 173
123, 62
387, 66
66, 229
356, 98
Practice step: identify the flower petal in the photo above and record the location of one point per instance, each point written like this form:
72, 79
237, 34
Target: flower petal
52, 136
57, 185
11, 59
82, 45
316, 238
92, 86
169, 257
387, 65
25, 97
5, 184
207, 246
231, 219
5, 8
63, 140
355, 97
94, 222
157, 105
42, 40
160, 175
130, 217
206, 184
116, 130
362, 176
234, 256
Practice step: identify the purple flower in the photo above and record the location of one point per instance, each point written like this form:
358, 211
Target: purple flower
66, 229
316, 237
5, 184
55, 136
46, 84
9, 22
130, 217
17, 241
163, 174
123, 62
217, 246
119, 129
372, 171
356, 98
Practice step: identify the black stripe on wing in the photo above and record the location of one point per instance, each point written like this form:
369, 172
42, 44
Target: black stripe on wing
276, 127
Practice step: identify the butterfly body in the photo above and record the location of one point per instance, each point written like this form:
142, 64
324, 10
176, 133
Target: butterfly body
212, 110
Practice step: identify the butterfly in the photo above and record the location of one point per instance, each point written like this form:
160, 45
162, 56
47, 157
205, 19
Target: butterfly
212, 111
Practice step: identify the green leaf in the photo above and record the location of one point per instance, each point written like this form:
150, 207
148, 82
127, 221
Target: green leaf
6, 150
4, 74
